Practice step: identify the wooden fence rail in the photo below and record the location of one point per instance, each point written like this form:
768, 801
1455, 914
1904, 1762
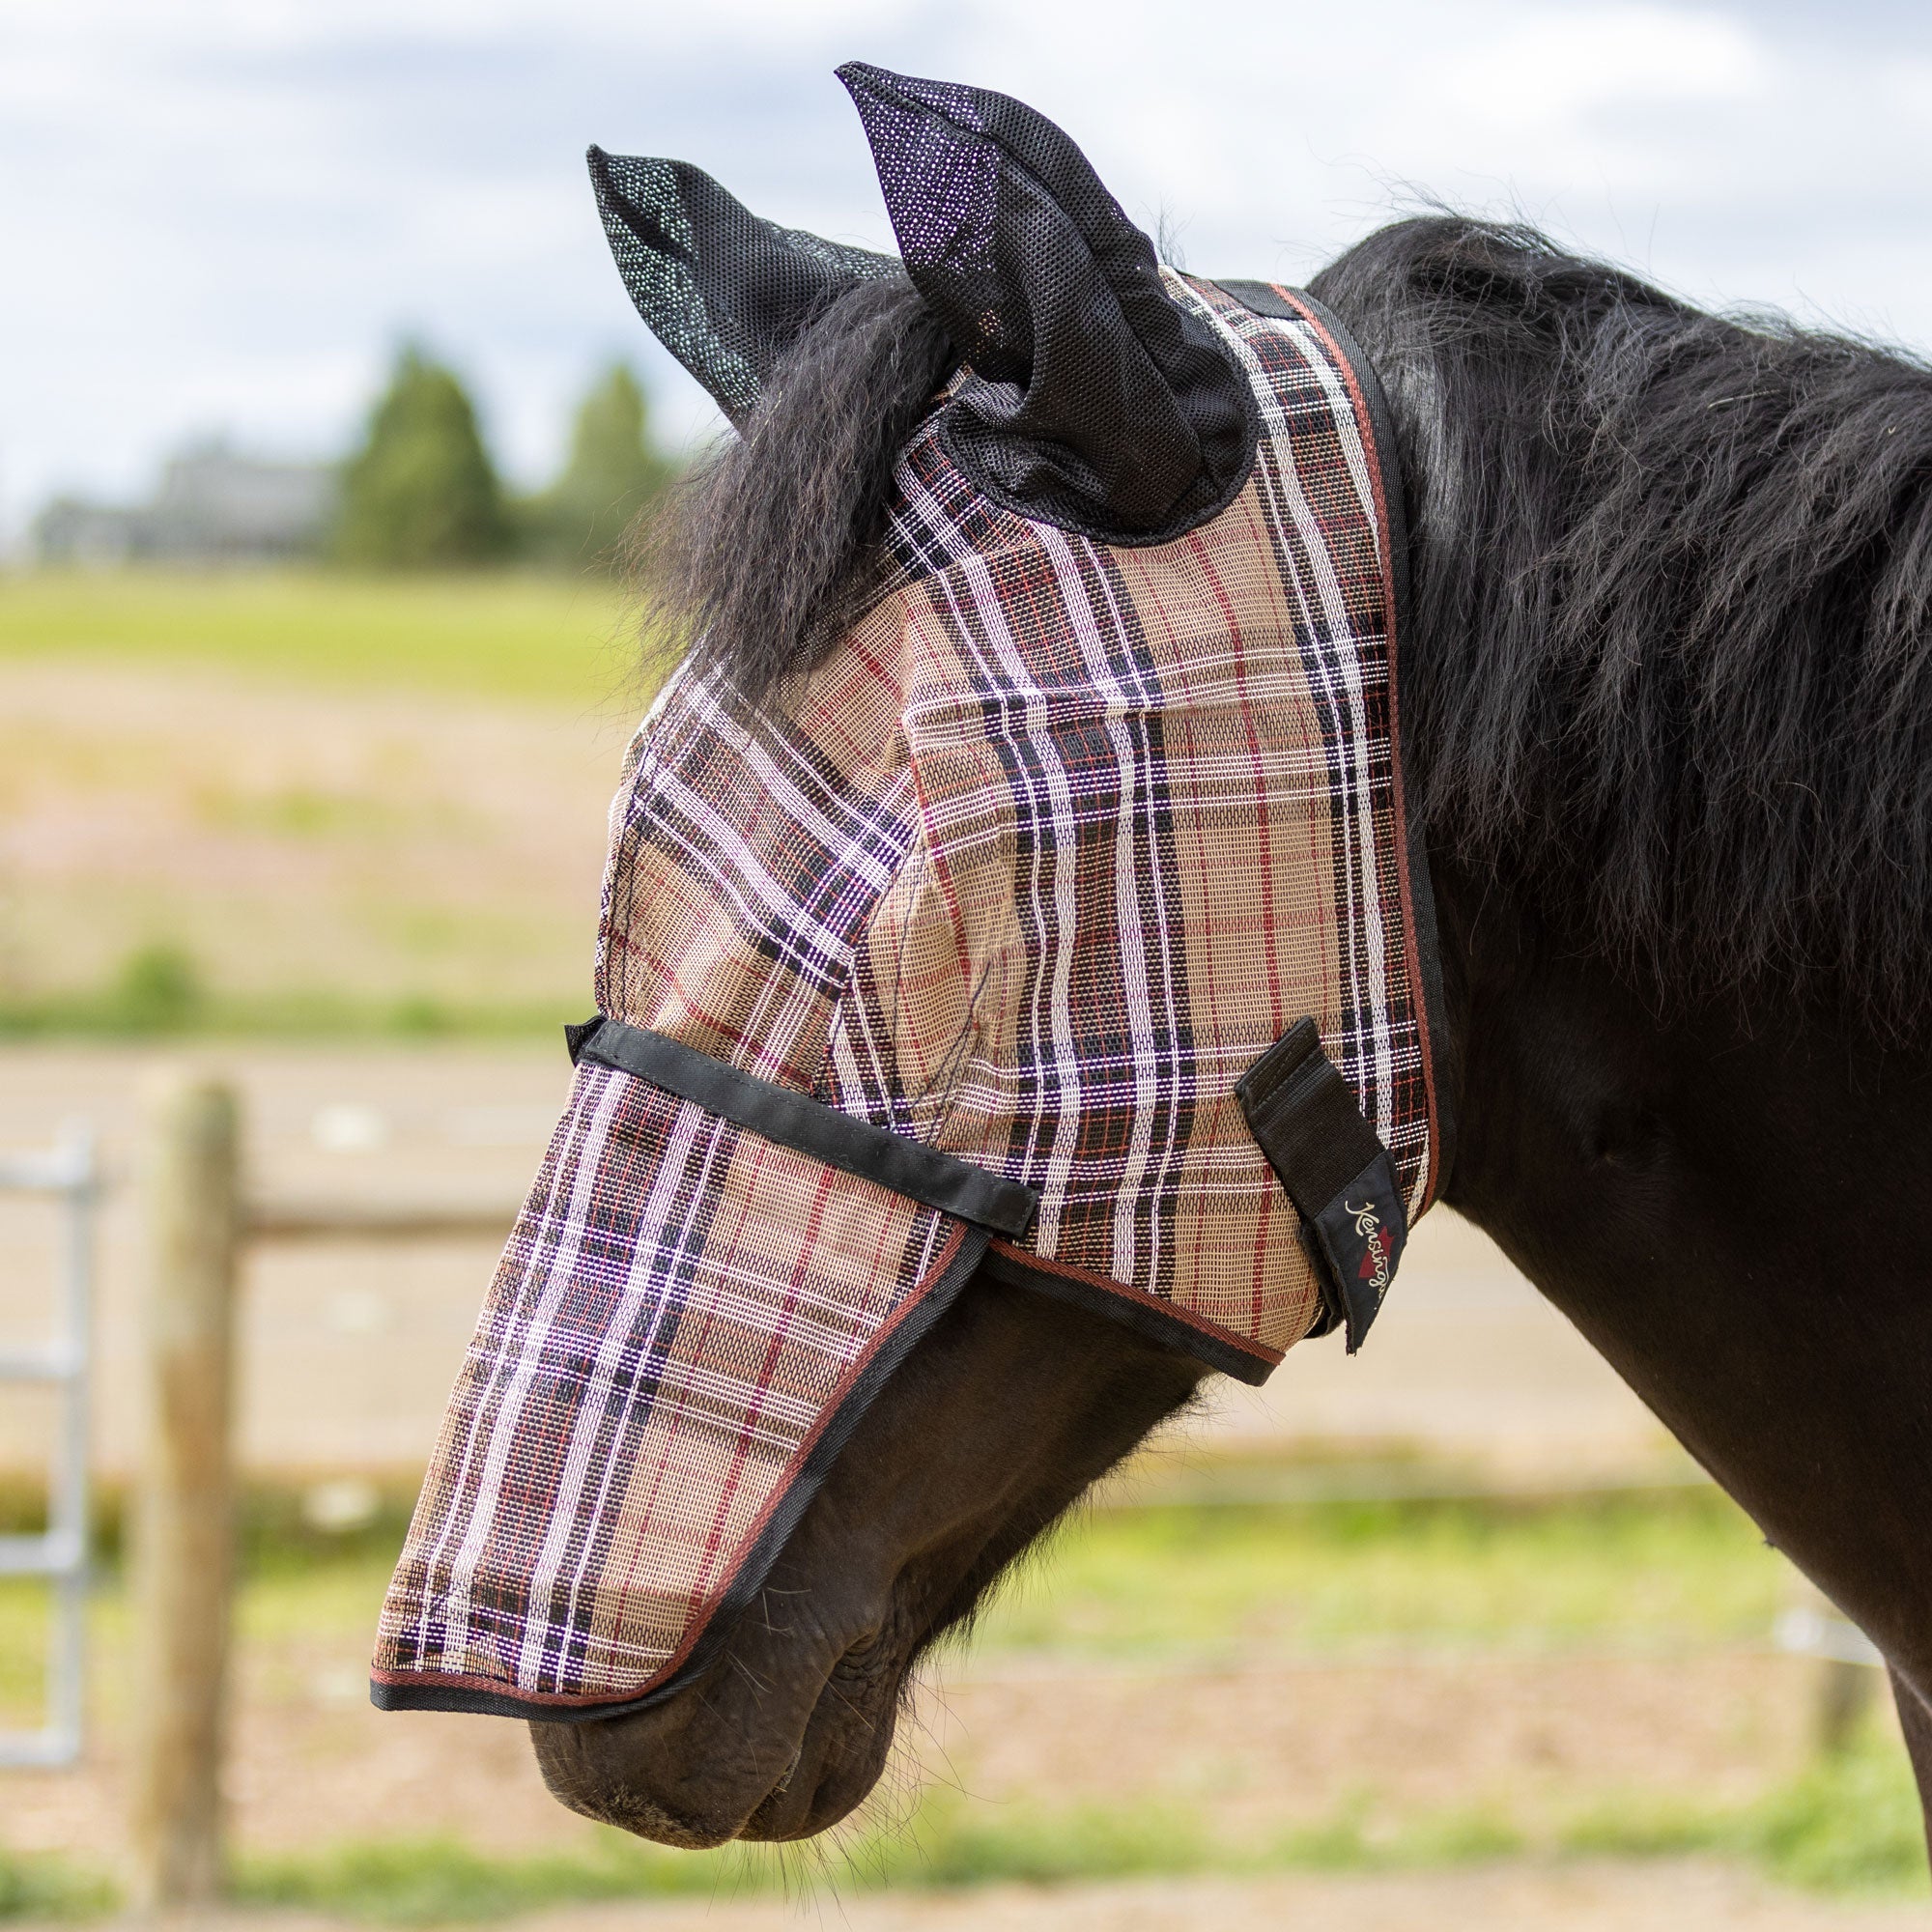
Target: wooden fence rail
281, 1221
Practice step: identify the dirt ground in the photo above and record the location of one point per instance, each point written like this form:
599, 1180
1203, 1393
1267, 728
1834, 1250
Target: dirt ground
1678, 1896
1263, 1749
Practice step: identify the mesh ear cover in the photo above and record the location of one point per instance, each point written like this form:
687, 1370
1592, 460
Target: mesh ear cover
1096, 401
725, 292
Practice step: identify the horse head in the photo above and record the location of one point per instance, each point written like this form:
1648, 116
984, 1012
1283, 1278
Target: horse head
1020, 992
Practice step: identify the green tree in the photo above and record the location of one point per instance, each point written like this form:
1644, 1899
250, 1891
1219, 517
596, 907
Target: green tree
612, 475
420, 493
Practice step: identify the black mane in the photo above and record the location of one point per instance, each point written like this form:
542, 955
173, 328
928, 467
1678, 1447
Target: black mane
1669, 661
1673, 611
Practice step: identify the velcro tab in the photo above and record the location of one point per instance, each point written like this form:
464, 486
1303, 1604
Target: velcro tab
1340, 1176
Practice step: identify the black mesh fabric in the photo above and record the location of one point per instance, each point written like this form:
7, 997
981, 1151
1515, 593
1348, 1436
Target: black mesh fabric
725, 292
1094, 401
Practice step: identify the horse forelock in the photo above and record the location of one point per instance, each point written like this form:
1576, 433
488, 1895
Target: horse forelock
757, 563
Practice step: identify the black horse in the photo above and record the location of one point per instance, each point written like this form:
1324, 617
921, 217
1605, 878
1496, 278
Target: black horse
1667, 704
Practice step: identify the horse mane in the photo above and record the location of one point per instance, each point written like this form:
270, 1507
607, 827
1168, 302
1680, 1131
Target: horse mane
1672, 651
1670, 659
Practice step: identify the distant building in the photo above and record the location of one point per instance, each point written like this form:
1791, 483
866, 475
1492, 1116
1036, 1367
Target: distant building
70, 532
213, 507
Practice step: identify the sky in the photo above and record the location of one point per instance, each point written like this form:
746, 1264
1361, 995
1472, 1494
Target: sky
219, 216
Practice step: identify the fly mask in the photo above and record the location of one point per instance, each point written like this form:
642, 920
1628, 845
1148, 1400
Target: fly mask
1061, 922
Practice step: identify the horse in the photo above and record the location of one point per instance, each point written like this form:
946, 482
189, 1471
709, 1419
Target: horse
1666, 689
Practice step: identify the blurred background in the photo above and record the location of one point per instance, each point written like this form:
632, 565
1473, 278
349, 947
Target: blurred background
320, 412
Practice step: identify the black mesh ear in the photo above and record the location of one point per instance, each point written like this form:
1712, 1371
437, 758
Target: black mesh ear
727, 292
1097, 401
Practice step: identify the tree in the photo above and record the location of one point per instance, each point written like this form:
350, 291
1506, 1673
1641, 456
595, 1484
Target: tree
612, 475
420, 491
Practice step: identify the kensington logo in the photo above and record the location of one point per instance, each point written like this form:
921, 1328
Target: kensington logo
1378, 1256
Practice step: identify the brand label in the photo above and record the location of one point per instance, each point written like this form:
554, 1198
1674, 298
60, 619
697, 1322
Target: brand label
1360, 1235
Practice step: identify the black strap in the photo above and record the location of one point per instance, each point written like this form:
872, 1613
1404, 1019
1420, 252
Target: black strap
795, 1119
1336, 1171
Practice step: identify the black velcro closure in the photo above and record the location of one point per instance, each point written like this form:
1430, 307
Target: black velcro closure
794, 1120
1337, 1173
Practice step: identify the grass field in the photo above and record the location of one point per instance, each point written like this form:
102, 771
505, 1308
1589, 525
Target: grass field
304, 804
558, 640
1238, 1583
1342, 1578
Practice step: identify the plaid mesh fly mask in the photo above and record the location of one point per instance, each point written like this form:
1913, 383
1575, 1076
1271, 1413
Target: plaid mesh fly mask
1062, 922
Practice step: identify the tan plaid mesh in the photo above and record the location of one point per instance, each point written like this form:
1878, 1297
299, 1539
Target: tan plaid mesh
1057, 845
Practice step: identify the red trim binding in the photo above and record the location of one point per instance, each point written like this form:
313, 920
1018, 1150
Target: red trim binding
1365, 425
1140, 1297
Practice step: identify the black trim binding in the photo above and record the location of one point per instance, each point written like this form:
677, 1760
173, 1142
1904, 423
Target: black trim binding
929, 1304
794, 1120
1262, 298
1156, 1325
966, 460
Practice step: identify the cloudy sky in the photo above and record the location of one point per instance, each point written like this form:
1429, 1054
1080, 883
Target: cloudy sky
220, 215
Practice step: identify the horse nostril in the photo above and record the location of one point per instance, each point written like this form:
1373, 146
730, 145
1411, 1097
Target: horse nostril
865, 1658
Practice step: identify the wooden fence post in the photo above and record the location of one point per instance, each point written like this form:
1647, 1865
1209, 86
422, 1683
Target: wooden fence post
182, 1526
1845, 1693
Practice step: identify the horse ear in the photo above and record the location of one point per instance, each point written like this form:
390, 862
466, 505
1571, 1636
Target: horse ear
727, 292
1098, 401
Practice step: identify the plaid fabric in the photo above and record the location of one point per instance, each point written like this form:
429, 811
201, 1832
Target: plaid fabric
1058, 841
681, 1308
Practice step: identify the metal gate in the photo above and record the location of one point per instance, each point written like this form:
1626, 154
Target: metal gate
70, 1174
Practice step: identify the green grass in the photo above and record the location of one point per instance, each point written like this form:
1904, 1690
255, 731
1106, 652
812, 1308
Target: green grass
1848, 1826
44, 1888
1851, 1825
1671, 1568
1210, 1584
1192, 1586
1180, 1585
438, 1881
489, 635
273, 1534
24, 1604
159, 992
115, 1011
